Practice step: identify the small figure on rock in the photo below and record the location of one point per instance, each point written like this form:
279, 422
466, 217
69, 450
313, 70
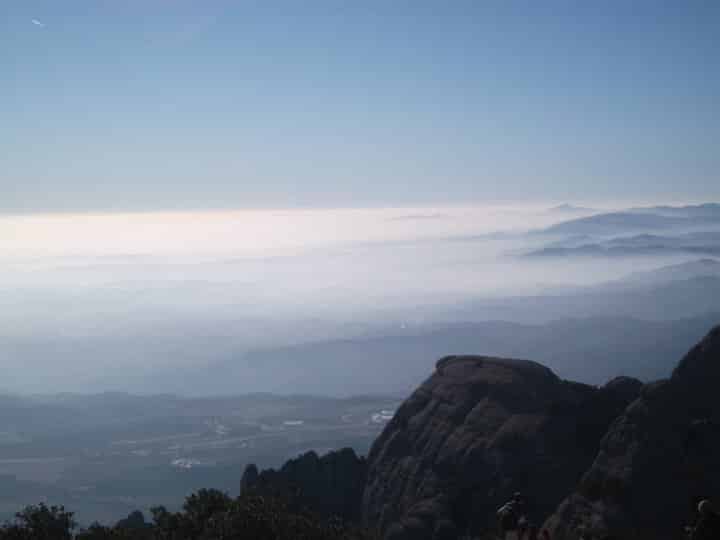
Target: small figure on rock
509, 515
708, 523
522, 527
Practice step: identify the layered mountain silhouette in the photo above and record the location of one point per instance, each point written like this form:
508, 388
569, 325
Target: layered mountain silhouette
567, 208
591, 349
641, 220
688, 270
696, 243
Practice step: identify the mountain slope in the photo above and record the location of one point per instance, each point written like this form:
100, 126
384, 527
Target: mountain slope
641, 220
683, 271
591, 350
331, 485
657, 460
697, 243
476, 431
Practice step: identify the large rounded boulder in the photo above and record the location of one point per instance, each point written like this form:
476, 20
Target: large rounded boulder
478, 430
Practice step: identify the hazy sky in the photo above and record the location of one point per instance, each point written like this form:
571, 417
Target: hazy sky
148, 105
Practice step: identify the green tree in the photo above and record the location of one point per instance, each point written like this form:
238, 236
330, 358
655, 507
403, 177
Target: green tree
206, 515
135, 520
40, 522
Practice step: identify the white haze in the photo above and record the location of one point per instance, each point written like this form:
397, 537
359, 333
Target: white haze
88, 296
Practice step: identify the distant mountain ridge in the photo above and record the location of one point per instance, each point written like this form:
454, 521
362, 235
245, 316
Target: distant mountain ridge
683, 271
640, 219
708, 210
697, 243
638, 315
566, 208
610, 345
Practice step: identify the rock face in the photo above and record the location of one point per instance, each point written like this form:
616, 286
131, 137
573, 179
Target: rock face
476, 431
657, 460
330, 485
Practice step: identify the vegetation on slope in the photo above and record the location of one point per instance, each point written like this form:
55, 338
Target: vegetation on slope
207, 514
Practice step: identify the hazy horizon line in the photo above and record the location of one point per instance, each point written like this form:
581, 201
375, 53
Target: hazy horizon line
549, 204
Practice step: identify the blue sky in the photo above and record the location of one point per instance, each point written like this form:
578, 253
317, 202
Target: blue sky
150, 105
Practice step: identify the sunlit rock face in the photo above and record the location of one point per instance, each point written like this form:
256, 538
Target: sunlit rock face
476, 431
657, 460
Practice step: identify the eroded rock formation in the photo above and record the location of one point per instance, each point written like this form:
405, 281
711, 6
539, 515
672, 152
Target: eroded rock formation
476, 431
656, 461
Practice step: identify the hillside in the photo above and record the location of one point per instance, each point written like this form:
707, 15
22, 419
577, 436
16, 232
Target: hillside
480, 429
587, 460
609, 346
641, 219
662, 453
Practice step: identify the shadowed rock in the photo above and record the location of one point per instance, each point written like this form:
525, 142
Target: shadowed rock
657, 460
476, 431
330, 485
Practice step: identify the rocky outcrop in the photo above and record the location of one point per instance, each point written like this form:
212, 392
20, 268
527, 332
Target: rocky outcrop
249, 478
623, 461
330, 485
476, 431
657, 459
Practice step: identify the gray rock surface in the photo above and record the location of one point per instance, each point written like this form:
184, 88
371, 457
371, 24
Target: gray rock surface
476, 431
656, 461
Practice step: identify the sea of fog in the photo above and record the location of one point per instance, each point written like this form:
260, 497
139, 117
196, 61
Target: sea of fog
86, 294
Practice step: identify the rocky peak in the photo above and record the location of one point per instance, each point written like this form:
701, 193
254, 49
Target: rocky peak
477, 430
330, 485
658, 458
700, 368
